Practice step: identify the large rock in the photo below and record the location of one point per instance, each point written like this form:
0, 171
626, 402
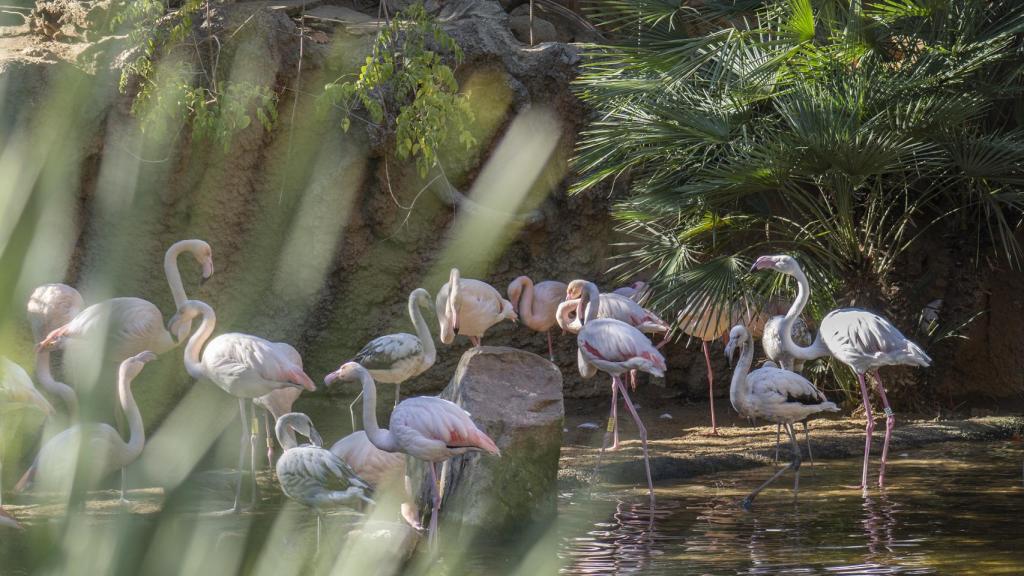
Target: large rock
516, 398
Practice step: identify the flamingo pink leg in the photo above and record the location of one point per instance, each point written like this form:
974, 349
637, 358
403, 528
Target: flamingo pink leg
643, 436
267, 429
551, 348
614, 416
869, 430
632, 379
890, 424
437, 506
711, 387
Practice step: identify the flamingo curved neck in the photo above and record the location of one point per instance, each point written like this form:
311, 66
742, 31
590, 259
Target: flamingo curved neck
817, 349
66, 393
193, 351
739, 389
172, 271
589, 303
285, 434
422, 330
136, 432
525, 304
378, 437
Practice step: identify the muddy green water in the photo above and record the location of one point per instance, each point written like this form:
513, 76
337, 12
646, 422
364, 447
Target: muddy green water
950, 509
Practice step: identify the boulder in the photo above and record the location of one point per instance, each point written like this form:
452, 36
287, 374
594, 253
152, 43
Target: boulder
516, 398
543, 31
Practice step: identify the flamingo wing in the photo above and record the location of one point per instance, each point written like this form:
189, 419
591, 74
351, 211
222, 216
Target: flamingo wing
615, 341
853, 335
369, 462
236, 358
384, 352
441, 421
783, 386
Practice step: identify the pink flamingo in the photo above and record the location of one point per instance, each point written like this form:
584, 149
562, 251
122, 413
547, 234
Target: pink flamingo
130, 325
536, 304
377, 467
51, 306
862, 340
395, 358
469, 307
244, 366
427, 428
615, 347
621, 308
92, 451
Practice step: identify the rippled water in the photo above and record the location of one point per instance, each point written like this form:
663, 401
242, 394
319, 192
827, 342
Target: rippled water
950, 509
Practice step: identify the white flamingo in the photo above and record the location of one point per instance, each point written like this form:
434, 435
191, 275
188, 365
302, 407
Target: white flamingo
129, 325
615, 347
17, 394
774, 395
244, 366
615, 306
425, 427
92, 451
862, 340
51, 306
771, 343
536, 305
274, 405
312, 475
469, 307
395, 358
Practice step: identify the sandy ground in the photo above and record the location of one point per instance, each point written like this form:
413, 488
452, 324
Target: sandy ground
682, 446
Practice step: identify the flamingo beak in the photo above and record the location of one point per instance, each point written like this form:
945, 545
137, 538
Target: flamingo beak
730, 352
332, 378
207, 271
761, 263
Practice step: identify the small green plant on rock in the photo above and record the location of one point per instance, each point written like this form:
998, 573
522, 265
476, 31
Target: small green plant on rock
407, 88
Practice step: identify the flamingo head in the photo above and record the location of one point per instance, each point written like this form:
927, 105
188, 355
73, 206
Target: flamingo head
133, 365
180, 325
779, 263
348, 372
575, 289
422, 298
301, 424
739, 337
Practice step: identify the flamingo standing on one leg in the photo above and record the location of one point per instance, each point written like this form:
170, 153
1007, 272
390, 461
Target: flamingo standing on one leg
425, 427
862, 340
775, 395
313, 475
17, 393
621, 308
395, 358
614, 347
51, 306
536, 304
244, 366
469, 307
92, 450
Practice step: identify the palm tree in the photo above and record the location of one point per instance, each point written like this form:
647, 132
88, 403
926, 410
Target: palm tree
839, 132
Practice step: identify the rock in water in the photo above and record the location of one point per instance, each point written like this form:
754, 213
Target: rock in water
516, 398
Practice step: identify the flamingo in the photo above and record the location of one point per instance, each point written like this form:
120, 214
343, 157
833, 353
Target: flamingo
615, 347
771, 343
637, 291
131, 325
536, 304
395, 358
775, 395
469, 307
611, 305
244, 366
128, 326
376, 467
312, 475
51, 306
427, 428
93, 450
862, 340
17, 393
